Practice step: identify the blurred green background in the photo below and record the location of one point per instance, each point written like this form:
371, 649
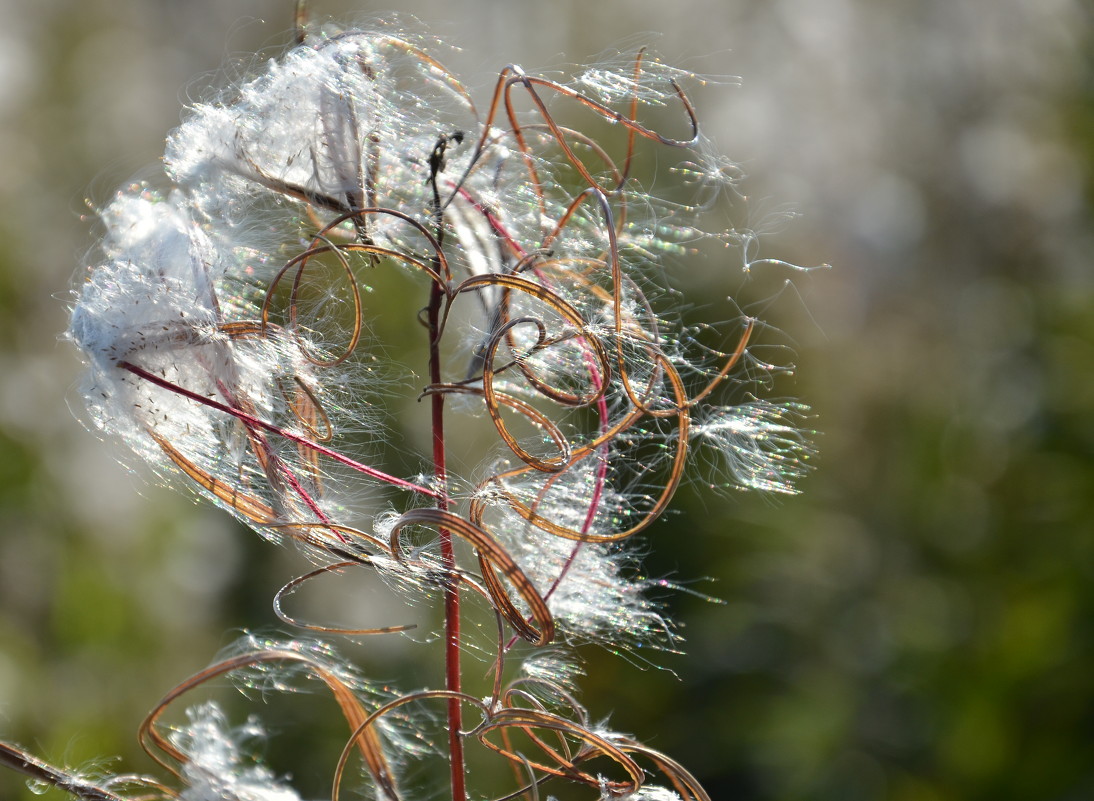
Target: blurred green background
918, 625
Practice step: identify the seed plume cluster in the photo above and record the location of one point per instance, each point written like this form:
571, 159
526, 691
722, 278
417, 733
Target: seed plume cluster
226, 330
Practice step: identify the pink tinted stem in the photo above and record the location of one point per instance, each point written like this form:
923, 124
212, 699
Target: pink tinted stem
452, 677
258, 422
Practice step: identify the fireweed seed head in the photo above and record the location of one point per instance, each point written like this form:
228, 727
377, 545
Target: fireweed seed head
180, 366
226, 327
346, 122
156, 270
214, 759
594, 590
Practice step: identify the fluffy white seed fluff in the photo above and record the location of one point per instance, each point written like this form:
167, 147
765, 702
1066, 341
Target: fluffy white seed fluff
217, 768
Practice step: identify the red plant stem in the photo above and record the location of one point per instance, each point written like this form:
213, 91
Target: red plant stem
601, 471
452, 677
251, 420
282, 468
601, 479
598, 490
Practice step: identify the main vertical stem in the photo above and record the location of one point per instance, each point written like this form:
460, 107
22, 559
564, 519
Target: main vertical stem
448, 557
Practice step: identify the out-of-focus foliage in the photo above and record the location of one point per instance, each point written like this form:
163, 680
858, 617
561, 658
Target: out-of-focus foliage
916, 626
